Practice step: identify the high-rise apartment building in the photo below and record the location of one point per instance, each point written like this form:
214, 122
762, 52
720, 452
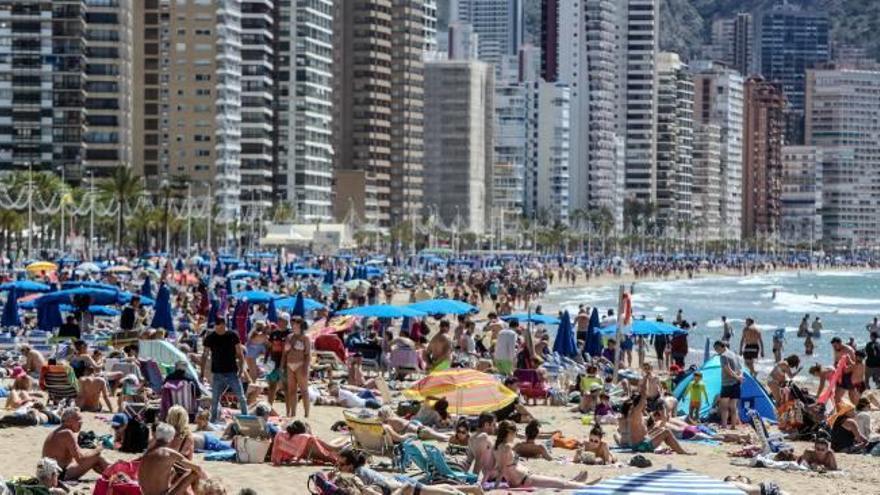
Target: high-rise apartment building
706, 192
790, 41
763, 140
304, 107
378, 115
459, 142
499, 25
733, 43
188, 101
801, 202
718, 100
257, 108
68, 67
582, 48
514, 151
552, 124
675, 136
841, 117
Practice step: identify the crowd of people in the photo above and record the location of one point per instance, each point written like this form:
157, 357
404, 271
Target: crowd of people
249, 356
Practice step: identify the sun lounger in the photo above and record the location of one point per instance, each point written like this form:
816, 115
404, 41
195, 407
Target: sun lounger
410, 452
368, 434
8, 343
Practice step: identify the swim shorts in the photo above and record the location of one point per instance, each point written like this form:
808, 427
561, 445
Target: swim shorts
751, 351
504, 366
731, 391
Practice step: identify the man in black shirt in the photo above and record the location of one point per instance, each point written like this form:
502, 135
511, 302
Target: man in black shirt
872, 361
227, 366
129, 314
70, 328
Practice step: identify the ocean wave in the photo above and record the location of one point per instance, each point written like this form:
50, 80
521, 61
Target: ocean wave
824, 300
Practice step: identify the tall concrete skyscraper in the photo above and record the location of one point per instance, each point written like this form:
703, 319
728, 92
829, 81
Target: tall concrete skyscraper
763, 140
675, 136
706, 192
459, 113
304, 107
790, 41
378, 117
733, 42
498, 23
841, 110
718, 100
802, 194
68, 64
188, 103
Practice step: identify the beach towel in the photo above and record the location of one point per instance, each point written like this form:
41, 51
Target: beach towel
831, 386
227, 455
179, 393
300, 448
561, 442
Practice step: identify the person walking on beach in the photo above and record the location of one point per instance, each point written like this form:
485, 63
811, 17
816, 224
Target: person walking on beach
505, 349
872, 361
727, 330
843, 355
751, 345
297, 358
227, 366
731, 383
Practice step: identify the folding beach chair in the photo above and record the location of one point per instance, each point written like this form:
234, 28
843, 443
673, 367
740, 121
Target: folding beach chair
441, 470
59, 382
368, 434
152, 375
531, 384
410, 452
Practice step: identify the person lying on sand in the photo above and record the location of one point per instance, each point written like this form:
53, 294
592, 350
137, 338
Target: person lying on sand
530, 449
640, 435
820, 458
62, 446
159, 473
370, 482
745, 484
399, 428
686, 431
517, 475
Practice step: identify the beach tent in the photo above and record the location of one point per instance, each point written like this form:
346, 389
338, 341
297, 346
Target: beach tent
382, 311
662, 482
165, 354
443, 307
753, 395
565, 343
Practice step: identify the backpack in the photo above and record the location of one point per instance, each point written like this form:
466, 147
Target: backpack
318, 484
136, 437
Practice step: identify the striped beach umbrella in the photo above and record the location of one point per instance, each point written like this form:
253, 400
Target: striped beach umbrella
662, 482
467, 391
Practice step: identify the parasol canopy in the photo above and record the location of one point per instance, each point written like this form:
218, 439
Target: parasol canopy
443, 307
41, 266
534, 318
467, 391
382, 311
23, 286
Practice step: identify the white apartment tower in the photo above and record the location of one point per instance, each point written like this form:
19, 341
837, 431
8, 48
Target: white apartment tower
304, 107
498, 23
802, 191
675, 125
706, 191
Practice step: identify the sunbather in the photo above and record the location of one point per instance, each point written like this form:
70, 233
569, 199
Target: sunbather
597, 447
820, 458
398, 426
375, 483
529, 448
158, 472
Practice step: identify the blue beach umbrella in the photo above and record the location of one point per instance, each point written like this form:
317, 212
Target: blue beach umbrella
593, 346
48, 316
162, 317
565, 343
299, 306
147, 288
534, 318
645, 328
443, 307
24, 286
383, 311
94, 310
10, 311
288, 303
255, 296
272, 312
179, 266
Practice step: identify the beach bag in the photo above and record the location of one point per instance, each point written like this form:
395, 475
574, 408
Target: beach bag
117, 485
251, 450
26, 486
790, 416
318, 484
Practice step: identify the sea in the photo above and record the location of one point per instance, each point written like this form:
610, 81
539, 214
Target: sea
846, 302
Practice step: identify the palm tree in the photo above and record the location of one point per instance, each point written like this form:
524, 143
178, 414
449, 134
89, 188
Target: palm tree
282, 213
119, 187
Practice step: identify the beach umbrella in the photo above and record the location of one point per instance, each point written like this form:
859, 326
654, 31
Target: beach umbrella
236, 274
443, 307
10, 311
254, 296
299, 306
593, 346
162, 312
288, 303
308, 272
355, 283
661, 482
118, 269
48, 317
95, 310
179, 266
41, 266
88, 267
272, 312
468, 391
269, 271
68, 296
147, 288
347, 276
706, 354
382, 311
644, 328
24, 286
565, 343
533, 317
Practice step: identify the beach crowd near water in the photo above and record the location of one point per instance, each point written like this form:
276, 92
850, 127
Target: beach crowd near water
426, 374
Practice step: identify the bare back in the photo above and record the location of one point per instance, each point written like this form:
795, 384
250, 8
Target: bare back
61, 446
157, 470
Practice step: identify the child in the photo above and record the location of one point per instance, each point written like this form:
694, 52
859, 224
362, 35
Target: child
696, 391
603, 413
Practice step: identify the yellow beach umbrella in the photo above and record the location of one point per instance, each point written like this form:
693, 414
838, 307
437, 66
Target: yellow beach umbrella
42, 266
467, 391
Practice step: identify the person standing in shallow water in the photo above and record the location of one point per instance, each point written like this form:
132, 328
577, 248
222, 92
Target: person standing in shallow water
751, 345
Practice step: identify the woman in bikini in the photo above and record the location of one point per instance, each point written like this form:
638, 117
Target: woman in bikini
256, 346
297, 358
516, 475
784, 371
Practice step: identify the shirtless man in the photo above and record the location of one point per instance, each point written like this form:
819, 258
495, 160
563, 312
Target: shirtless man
841, 351
91, 390
751, 345
297, 358
438, 355
157, 473
820, 458
634, 432
480, 448
34, 361
62, 446
493, 327
582, 322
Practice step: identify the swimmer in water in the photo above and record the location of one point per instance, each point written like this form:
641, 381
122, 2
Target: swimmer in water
774, 295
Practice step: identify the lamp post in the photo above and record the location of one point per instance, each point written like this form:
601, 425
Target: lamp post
30, 214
